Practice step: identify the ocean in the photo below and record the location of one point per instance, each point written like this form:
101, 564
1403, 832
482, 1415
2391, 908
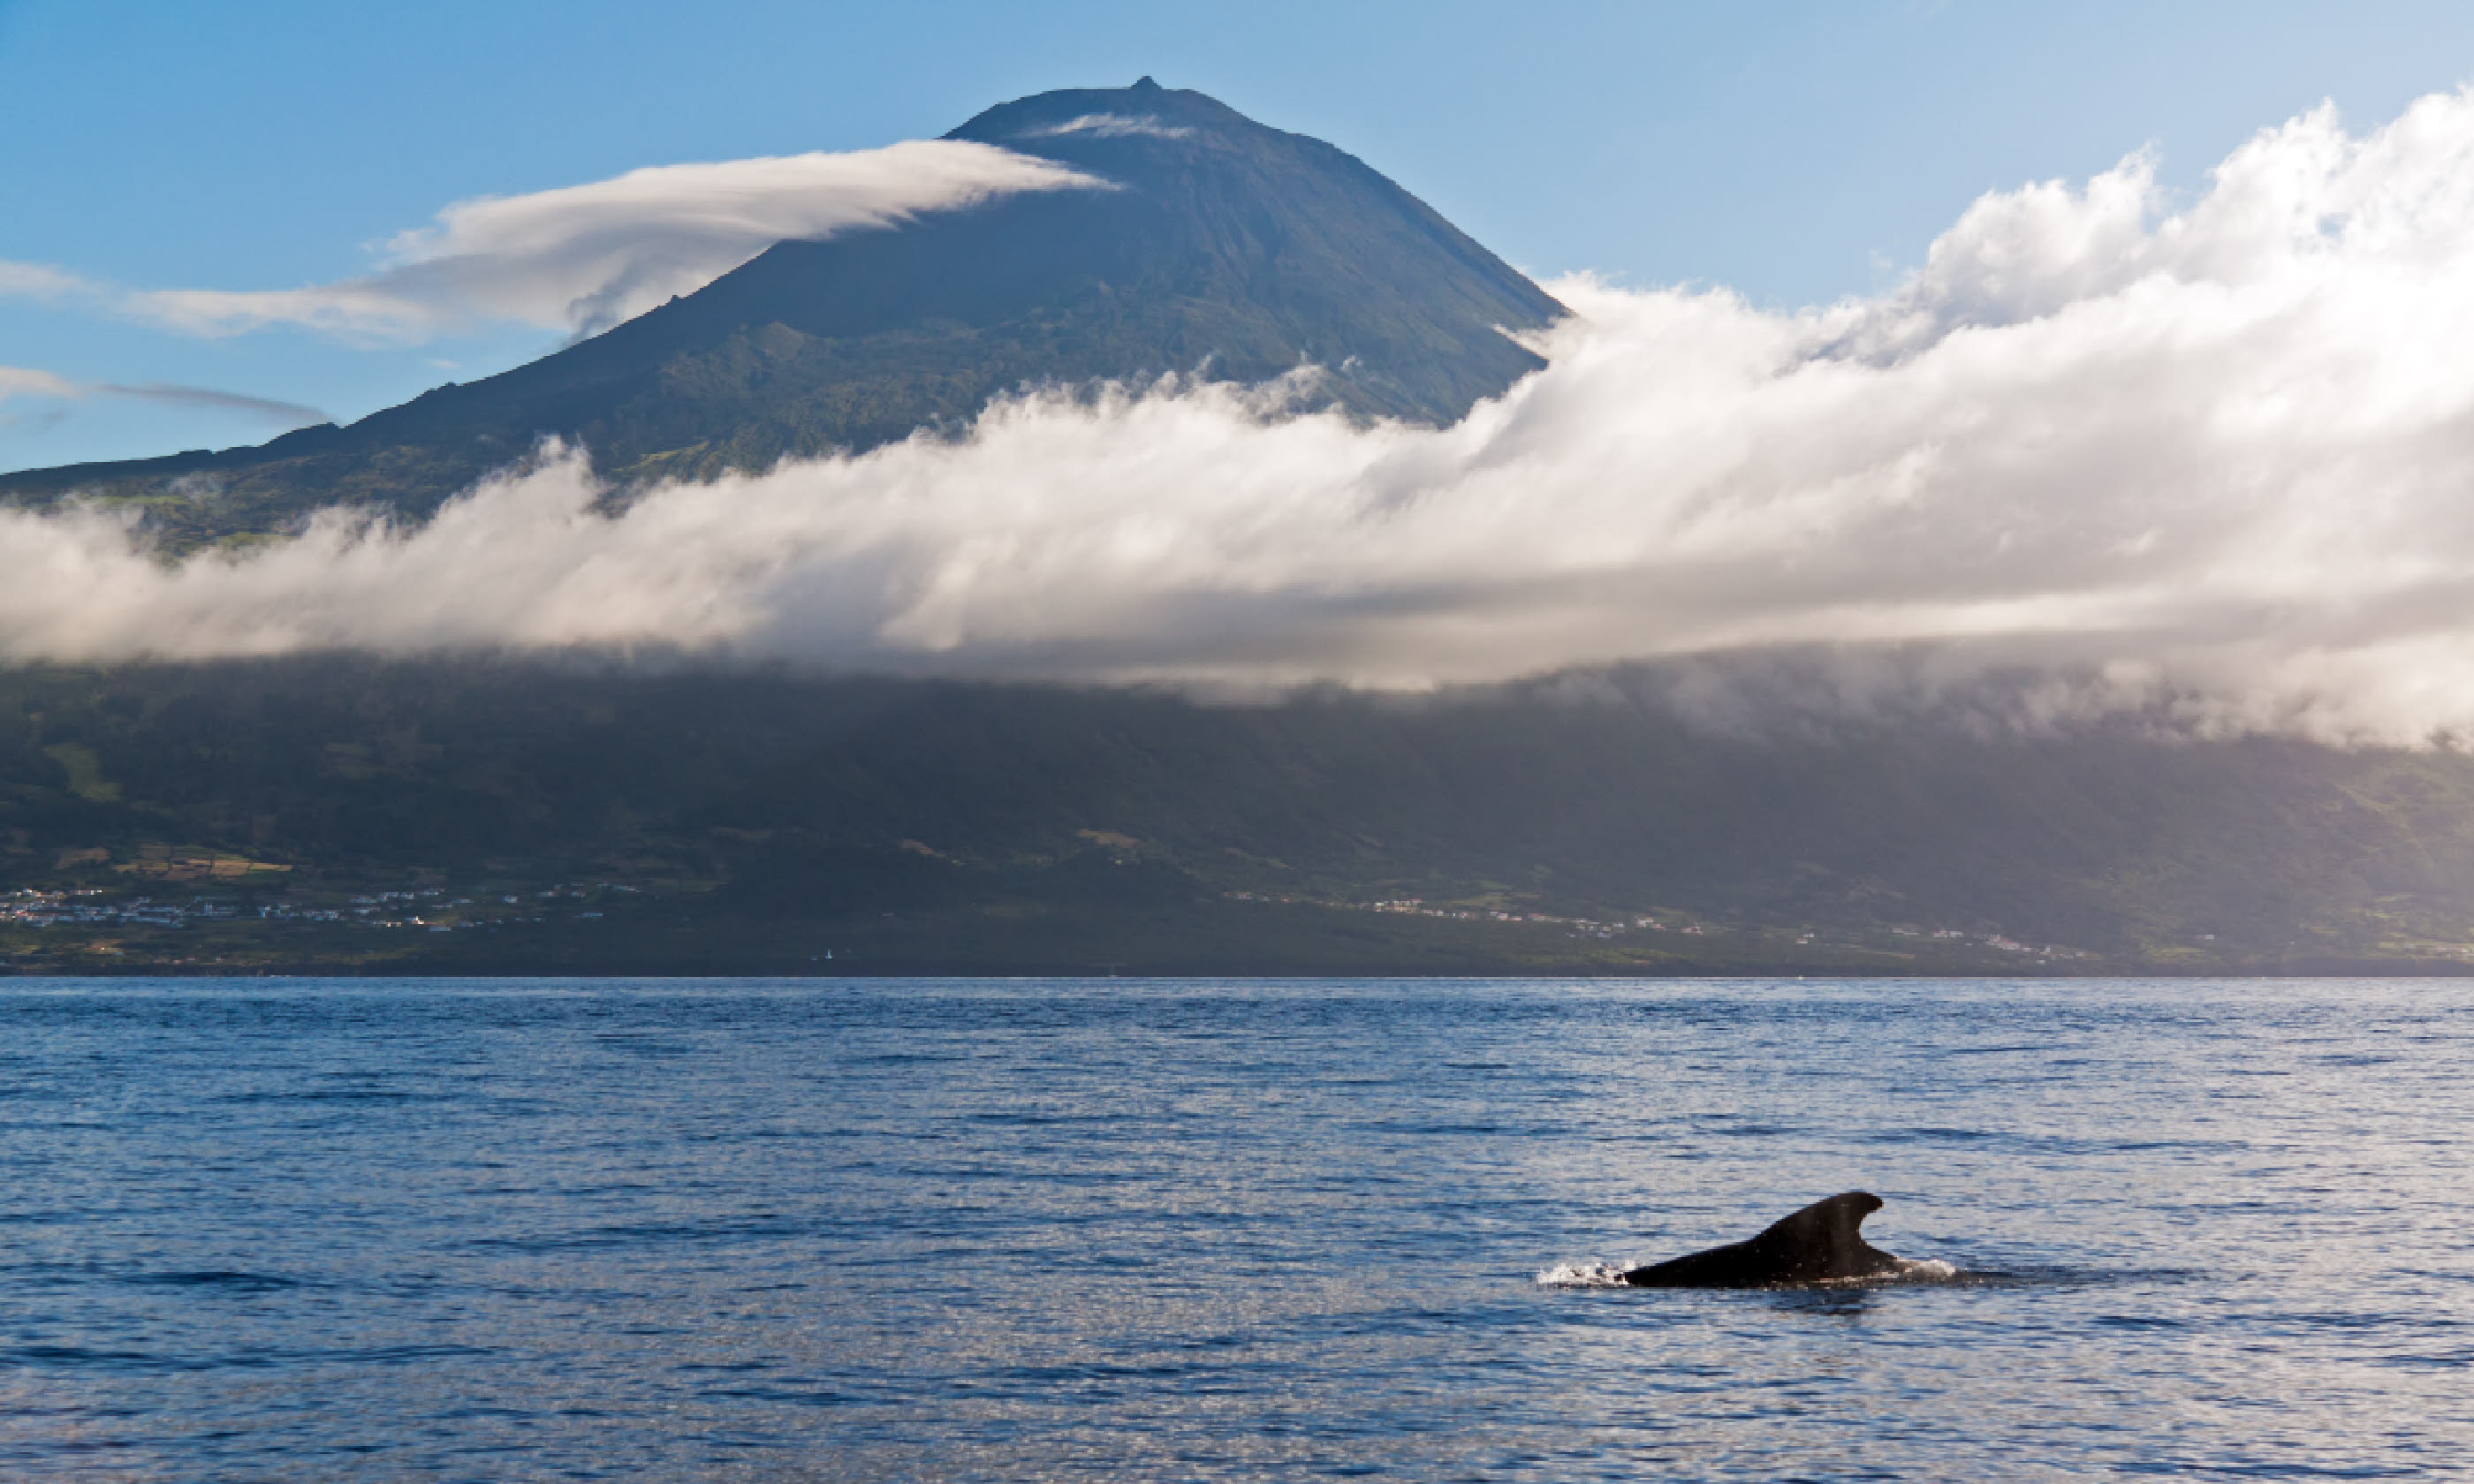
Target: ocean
1033, 1230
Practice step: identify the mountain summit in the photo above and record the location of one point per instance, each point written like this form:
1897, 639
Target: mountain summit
1220, 245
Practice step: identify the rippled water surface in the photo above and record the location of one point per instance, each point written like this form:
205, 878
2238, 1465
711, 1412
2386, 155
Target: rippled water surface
1046, 1230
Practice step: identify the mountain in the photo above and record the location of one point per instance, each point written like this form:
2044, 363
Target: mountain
561, 818
1230, 248
339, 813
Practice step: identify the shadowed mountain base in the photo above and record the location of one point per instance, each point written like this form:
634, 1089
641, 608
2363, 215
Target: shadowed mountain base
560, 819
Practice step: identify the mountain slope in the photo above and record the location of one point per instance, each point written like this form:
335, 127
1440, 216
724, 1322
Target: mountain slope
1228, 247
742, 811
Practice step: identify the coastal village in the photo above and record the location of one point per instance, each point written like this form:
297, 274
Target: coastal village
145, 923
433, 909
1679, 925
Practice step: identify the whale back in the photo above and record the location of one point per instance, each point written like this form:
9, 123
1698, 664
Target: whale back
1822, 1243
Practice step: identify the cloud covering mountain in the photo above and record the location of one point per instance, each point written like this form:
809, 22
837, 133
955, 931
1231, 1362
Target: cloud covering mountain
2217, 450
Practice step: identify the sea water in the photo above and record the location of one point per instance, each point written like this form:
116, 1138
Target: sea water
1122, 1230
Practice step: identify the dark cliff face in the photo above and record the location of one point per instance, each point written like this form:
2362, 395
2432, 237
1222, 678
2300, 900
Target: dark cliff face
1224, 247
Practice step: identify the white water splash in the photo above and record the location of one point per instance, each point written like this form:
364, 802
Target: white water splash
1586, 1275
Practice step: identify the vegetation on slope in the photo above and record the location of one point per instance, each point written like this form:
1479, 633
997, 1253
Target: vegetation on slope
752, 822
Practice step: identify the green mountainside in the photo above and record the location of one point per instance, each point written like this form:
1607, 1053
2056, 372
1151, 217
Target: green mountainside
1230, 248
753, 823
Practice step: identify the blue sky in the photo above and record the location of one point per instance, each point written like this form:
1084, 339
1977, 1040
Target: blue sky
1795, 152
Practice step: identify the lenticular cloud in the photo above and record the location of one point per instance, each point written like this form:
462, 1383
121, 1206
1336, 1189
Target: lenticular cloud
584, 257
2223, 453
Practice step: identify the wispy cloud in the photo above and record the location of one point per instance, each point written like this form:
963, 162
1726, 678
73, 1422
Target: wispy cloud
2216, 456
1108, 126
43, 282
22, 382
584, 257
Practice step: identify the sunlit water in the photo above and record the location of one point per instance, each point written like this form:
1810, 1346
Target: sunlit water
1043, 1229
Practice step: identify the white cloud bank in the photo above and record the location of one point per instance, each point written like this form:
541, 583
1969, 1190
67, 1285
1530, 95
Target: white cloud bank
584, 257
2224, 453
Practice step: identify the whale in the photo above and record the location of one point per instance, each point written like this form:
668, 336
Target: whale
1823, 1243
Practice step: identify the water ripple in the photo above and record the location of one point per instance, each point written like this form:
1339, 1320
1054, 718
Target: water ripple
1227, 1231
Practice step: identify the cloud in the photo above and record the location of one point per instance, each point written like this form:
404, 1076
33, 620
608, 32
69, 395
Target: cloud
2212, 459
22, 382
19, 381
43, 282
584, 257
43, 386
266, 409
1108, 126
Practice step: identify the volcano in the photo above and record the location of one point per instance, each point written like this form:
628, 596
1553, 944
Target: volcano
1218, 248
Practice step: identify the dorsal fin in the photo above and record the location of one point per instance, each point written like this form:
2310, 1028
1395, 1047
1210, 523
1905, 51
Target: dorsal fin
1824, 1242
